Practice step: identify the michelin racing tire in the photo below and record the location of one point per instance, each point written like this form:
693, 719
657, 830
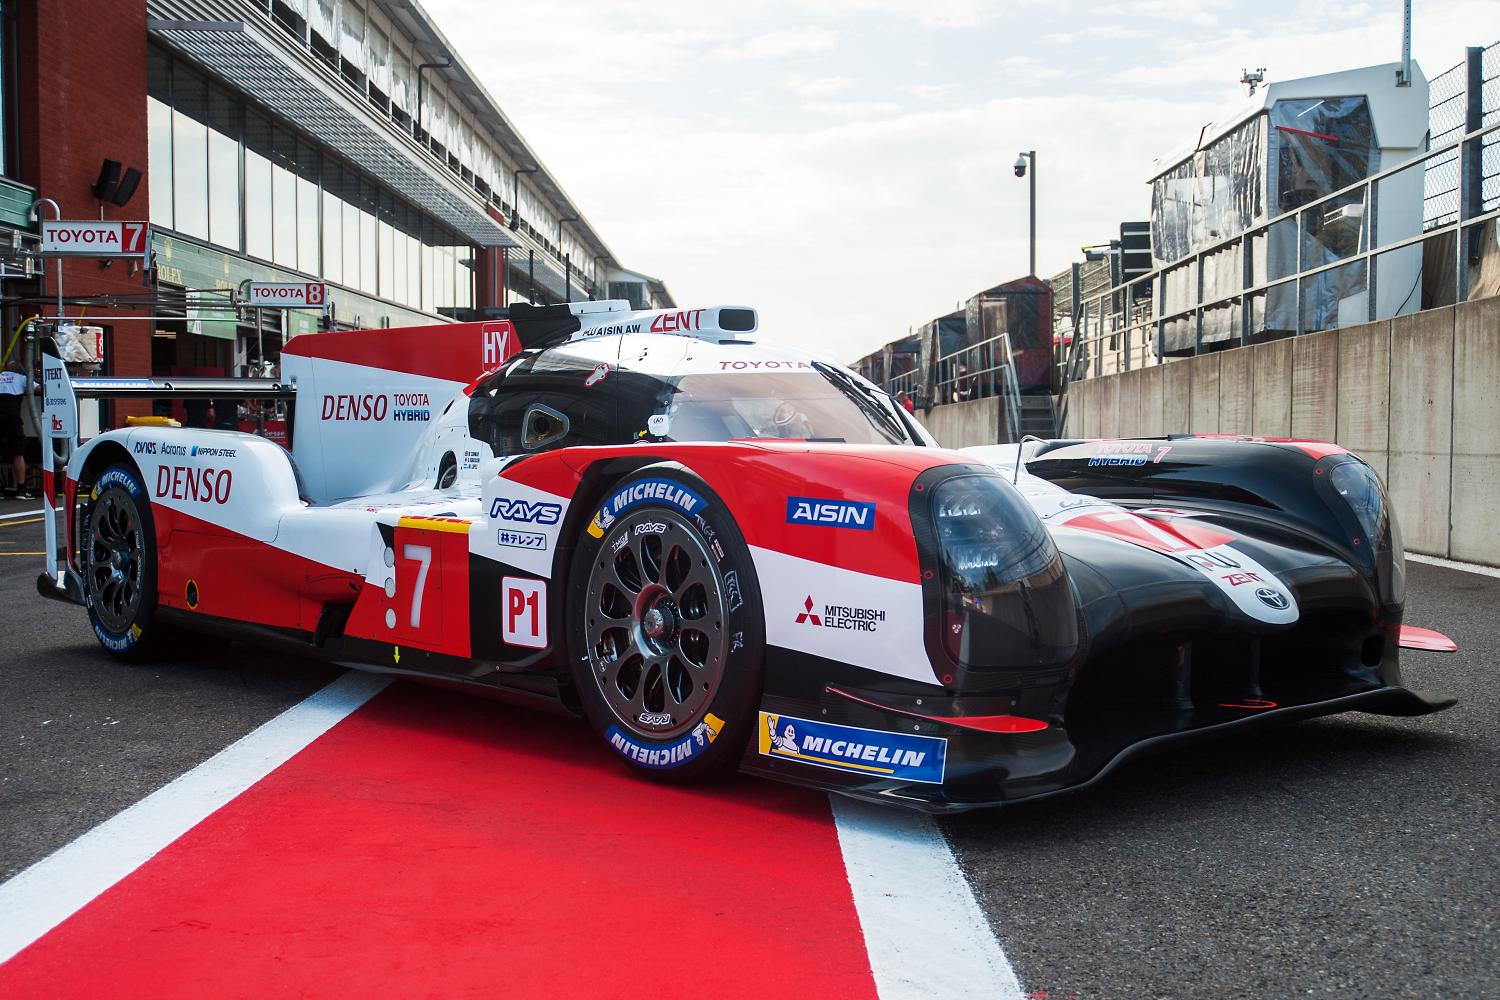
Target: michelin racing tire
666, 638
117, 553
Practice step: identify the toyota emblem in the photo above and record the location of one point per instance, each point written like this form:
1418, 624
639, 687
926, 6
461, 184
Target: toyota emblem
1273, 598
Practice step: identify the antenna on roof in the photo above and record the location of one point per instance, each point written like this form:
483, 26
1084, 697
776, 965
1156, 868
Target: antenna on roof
1253, 78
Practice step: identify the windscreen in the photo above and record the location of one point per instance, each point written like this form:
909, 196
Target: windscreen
807, 405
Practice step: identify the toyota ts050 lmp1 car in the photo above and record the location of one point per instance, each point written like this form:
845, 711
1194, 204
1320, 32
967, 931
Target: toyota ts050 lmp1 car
730, 554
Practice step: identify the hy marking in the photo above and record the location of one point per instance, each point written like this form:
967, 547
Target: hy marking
61, 884
926, 936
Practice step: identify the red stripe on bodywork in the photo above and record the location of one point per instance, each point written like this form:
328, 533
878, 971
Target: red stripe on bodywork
240, 578
755, 480
433, 844
456, 352
1414, 637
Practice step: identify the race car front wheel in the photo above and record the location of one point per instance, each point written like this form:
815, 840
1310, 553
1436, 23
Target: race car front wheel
118, 556
665, 628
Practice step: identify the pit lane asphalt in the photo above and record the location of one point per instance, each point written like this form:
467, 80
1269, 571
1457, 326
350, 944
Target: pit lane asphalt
1354, 856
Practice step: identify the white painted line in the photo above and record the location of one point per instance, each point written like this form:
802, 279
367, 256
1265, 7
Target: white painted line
1462, 567
61, 884
925, 934
26, 513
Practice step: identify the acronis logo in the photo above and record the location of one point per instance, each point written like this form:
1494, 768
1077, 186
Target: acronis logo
831, 513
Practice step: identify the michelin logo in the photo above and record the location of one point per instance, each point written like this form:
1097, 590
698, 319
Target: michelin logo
673, 754
645, 491
877, 753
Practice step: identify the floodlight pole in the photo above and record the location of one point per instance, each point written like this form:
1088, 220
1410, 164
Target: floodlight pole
1031, 155
1026, 163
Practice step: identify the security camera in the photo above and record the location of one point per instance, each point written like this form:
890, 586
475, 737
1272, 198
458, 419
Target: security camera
1021, 166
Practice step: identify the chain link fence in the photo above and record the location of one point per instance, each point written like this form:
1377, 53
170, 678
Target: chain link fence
1446, 123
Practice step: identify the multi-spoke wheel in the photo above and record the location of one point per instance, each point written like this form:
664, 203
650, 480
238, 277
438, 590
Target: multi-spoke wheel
665, 624
118, 556
655, 623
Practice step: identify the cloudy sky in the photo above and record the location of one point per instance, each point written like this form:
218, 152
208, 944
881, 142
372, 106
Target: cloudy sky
845, 167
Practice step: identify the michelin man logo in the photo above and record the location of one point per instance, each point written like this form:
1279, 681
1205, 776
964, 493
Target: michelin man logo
787, 741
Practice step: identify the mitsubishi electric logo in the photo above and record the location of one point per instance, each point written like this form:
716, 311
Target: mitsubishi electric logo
808, 616
841, 616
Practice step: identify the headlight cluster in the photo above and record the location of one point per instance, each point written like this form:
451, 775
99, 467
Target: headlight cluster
1359, 488
1007, 601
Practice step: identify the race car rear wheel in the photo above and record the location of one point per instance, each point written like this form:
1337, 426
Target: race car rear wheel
117, 552
664, 627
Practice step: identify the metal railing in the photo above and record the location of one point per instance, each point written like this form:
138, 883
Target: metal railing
978, 371
1110, 336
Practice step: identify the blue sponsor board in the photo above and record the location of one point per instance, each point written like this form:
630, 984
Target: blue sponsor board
873, 752
831, 513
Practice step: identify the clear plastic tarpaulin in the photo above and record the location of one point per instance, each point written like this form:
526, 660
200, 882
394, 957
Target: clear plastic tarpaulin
1291, 156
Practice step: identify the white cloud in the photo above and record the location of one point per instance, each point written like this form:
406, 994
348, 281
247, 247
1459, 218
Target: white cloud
782, 43
818, 86
846, 168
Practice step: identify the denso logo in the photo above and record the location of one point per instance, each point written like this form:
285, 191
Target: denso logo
181, 482
399, 406
831, 513
541, 512
366, 407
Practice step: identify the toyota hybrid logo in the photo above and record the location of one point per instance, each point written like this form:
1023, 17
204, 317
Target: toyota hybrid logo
1273, 598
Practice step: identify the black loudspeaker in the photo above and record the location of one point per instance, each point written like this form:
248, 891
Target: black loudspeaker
128, 184
109, 176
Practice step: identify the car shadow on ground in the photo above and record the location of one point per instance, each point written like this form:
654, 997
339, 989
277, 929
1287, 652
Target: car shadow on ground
1355, 755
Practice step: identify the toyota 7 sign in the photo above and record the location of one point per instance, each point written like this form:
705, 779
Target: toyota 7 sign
65, 238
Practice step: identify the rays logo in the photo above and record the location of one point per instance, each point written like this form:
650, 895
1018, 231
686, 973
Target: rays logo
524, 510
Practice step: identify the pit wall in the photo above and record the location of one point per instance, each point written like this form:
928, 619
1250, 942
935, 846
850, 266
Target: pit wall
962, 425
1418, 397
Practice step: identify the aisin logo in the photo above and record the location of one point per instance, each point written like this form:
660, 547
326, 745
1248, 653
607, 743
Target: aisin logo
807, 616
1273, 598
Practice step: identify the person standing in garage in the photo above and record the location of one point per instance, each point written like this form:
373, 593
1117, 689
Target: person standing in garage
13, 385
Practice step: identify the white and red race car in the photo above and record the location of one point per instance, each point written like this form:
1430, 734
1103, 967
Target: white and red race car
731, 554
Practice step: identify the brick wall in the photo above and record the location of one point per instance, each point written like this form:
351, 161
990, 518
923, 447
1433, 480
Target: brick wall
82, 99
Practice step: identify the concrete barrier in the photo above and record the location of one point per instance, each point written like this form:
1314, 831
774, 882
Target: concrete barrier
1203, 411
1236, 391
1315, 386
1176, 398
1129, 404
961, 425
1364, 410
1418, 397
1271, 405
1421, 427
1475, 528
1151, 396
